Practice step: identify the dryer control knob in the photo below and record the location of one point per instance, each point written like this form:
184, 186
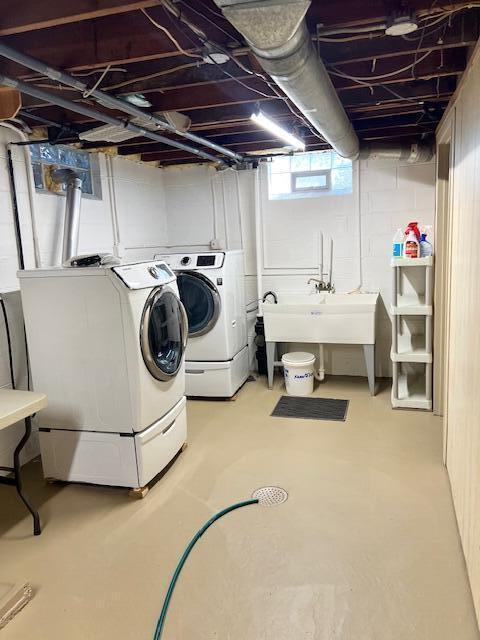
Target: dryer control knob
185, 260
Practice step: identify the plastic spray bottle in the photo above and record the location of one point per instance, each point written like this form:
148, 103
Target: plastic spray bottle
398, 239
411, 247
426, 248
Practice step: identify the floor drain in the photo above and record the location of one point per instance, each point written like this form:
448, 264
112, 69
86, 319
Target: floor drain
270, 496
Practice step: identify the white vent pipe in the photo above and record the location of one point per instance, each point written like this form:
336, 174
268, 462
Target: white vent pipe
73, 201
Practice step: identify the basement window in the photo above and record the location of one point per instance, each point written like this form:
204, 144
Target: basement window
45, 156
310, 174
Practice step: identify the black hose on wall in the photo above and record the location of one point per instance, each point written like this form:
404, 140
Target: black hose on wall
16, 219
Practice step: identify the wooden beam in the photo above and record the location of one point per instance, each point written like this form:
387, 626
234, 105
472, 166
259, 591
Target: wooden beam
94, 44
412, 91
463, 33
197, 97
168, 156
435, 65
42, 14
358, 14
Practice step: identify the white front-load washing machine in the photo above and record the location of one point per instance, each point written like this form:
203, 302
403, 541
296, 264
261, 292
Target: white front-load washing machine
212, 289
107, 346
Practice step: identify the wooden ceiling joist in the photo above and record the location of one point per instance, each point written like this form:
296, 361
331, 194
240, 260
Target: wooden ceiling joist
383, 95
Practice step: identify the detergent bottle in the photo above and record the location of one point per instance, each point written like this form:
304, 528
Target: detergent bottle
411, 246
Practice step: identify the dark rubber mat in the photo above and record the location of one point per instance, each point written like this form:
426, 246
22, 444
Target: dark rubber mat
311, 408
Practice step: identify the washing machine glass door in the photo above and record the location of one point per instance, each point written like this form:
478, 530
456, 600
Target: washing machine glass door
163, 333
201, 300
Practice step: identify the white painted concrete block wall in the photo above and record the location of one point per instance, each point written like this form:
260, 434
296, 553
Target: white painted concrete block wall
136, 197
386, 196
391, 195
144, 211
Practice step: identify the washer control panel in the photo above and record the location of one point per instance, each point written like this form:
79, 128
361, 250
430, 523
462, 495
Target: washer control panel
144, 274
207, 260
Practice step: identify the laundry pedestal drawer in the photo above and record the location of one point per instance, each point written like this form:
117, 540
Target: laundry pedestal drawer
157, 445
216, 379
125, 460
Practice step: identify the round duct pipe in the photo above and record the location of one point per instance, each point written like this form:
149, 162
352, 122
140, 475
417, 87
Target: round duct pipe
396, 152
277, 33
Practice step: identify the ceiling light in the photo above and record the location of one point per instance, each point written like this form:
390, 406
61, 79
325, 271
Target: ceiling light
137, 99
266, 123
215, 57
401, 25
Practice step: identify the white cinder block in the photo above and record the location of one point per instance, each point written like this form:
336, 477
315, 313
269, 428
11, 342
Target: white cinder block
425, 198
379, 178
413, 176
392, 200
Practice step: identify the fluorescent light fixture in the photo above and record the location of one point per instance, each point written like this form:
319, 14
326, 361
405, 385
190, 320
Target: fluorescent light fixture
266, 123
137, 99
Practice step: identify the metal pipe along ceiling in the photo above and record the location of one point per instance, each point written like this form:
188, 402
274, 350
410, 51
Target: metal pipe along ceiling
115, 103
278, 35
103, 117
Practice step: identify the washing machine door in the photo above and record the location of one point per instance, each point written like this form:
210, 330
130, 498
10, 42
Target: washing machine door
163, 333
201, 300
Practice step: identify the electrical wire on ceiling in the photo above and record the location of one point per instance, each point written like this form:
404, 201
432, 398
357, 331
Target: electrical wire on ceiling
168, 6
333, 70
431, 19
369, 36
156, 74
189, 54
363, 83
81, 74
88, 92
214, 24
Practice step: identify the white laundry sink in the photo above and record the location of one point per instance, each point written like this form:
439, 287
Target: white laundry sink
323, 318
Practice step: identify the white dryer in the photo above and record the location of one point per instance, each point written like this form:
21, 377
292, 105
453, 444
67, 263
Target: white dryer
107, 346
212, 289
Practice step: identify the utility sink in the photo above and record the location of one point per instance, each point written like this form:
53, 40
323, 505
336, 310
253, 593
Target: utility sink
323, 318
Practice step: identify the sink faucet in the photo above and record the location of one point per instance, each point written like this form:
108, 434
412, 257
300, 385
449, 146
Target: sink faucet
321, 285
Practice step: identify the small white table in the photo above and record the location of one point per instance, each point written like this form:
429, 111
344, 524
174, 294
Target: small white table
18, 405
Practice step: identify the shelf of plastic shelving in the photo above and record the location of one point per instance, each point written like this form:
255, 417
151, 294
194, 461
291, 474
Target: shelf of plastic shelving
412, 391
411, 354
411, 310
412, 262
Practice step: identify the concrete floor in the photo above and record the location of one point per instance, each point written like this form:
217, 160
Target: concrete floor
366, 548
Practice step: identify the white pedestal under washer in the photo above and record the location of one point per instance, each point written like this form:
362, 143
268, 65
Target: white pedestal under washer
107, 346
212, 289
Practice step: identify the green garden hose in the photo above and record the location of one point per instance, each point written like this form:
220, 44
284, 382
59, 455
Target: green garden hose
194, 540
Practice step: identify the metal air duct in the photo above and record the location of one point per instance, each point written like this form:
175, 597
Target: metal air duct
396, 152
278, 35
73, 201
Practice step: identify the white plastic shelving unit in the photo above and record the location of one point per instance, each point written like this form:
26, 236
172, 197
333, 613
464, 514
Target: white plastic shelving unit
412, 316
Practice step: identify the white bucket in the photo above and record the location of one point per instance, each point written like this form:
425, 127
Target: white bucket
298, 372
